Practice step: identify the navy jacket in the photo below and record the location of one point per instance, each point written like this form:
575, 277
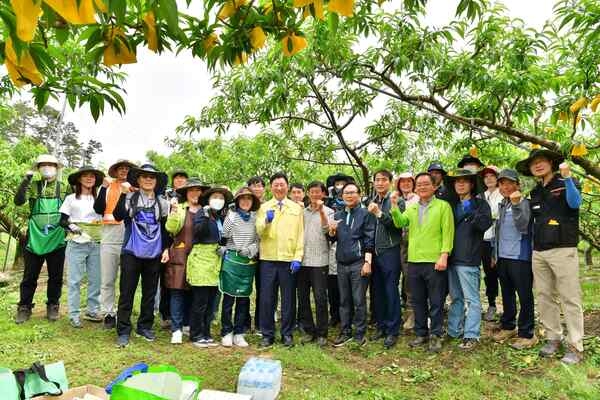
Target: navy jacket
206, 228
386, 234
354, 239
469, 230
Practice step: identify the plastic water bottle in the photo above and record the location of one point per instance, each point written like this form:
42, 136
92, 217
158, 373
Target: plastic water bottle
261, 378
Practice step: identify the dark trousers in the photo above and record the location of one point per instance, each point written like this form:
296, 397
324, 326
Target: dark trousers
428, 288
315, 277
132, 268
353, 301
386, 278
164, 307
333, 295
242, 307
55, 263
276, 275
490, 274
203, 298
516, 276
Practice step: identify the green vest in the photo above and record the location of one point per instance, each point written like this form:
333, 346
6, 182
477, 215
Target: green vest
44, 231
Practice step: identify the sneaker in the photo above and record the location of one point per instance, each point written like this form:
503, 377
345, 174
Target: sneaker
23, 314
490, 314
265, 343
200, 343
110, 322
75, 323
177, 337
123, 341
550, 348
227, 340
503, 335
146, 334
377, 335
390, 341
186, 331
211, 343
52, 312
288, 341
306, 339
572, 356
468, 344
341, 340
258, 333
524, 343
435, 344
239, 340
360, 340
322, 341
419, 341
92, 317
409, 324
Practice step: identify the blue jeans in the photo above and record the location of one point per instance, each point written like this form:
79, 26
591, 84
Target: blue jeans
464, 316
179, 305
83, 258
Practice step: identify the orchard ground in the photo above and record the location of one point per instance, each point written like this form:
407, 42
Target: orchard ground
491, 371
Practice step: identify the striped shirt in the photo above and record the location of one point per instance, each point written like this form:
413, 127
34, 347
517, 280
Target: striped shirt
316, 245
241, 235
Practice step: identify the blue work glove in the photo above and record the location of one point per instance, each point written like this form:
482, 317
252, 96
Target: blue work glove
270, 216
467, 206
295, 266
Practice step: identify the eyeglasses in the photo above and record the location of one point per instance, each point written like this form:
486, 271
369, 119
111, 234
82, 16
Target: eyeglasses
350, 193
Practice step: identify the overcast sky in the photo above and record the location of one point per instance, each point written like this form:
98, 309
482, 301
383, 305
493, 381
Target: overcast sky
162, 90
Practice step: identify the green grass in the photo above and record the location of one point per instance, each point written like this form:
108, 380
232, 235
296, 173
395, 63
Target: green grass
492, 371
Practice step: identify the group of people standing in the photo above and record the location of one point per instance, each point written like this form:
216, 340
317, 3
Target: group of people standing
411, 245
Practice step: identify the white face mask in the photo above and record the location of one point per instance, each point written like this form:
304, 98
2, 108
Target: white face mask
48, 171
216, 204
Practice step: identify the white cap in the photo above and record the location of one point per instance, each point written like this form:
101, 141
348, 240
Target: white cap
46, 158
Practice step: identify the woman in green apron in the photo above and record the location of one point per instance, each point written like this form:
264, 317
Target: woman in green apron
239, 266
83, 243
204, 263
45, 237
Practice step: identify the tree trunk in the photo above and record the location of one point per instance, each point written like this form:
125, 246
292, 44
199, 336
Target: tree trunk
589, 259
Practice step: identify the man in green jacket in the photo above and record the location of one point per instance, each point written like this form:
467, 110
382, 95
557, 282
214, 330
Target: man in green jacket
430, 238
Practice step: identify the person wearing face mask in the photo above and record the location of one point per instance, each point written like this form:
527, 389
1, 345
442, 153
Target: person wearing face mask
204, 263
335, 184
113, 232
144, 212
45, 236
180, 224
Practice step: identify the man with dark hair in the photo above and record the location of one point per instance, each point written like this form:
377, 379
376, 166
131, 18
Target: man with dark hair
354, 231
437, 173
257, 185
297, 193
386, 268
314, 270
280, 227
430, 239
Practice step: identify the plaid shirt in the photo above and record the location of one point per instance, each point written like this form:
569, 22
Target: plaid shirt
316, 244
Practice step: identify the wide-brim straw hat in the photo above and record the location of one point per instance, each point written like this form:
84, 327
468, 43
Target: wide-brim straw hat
112, 170
74, 177
552, 156
245, 191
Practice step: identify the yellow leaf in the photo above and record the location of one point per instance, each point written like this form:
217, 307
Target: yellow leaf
150, 33
577, 120
319, 13
28, 12
72, 13
578, 105
257, 38
473, 151
594, 103
267, 7
579, 150
22, 70
549, 129
293, 44
563, 116
101, 5
241, 58
230, 8
535, 146
210, 42
302, 3
116, 50
587, 187
342, 7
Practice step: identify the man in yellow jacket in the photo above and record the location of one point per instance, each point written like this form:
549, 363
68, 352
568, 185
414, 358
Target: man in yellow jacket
280, 226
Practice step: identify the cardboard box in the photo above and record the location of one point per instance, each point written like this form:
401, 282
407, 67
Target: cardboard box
79, 393
217, 395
